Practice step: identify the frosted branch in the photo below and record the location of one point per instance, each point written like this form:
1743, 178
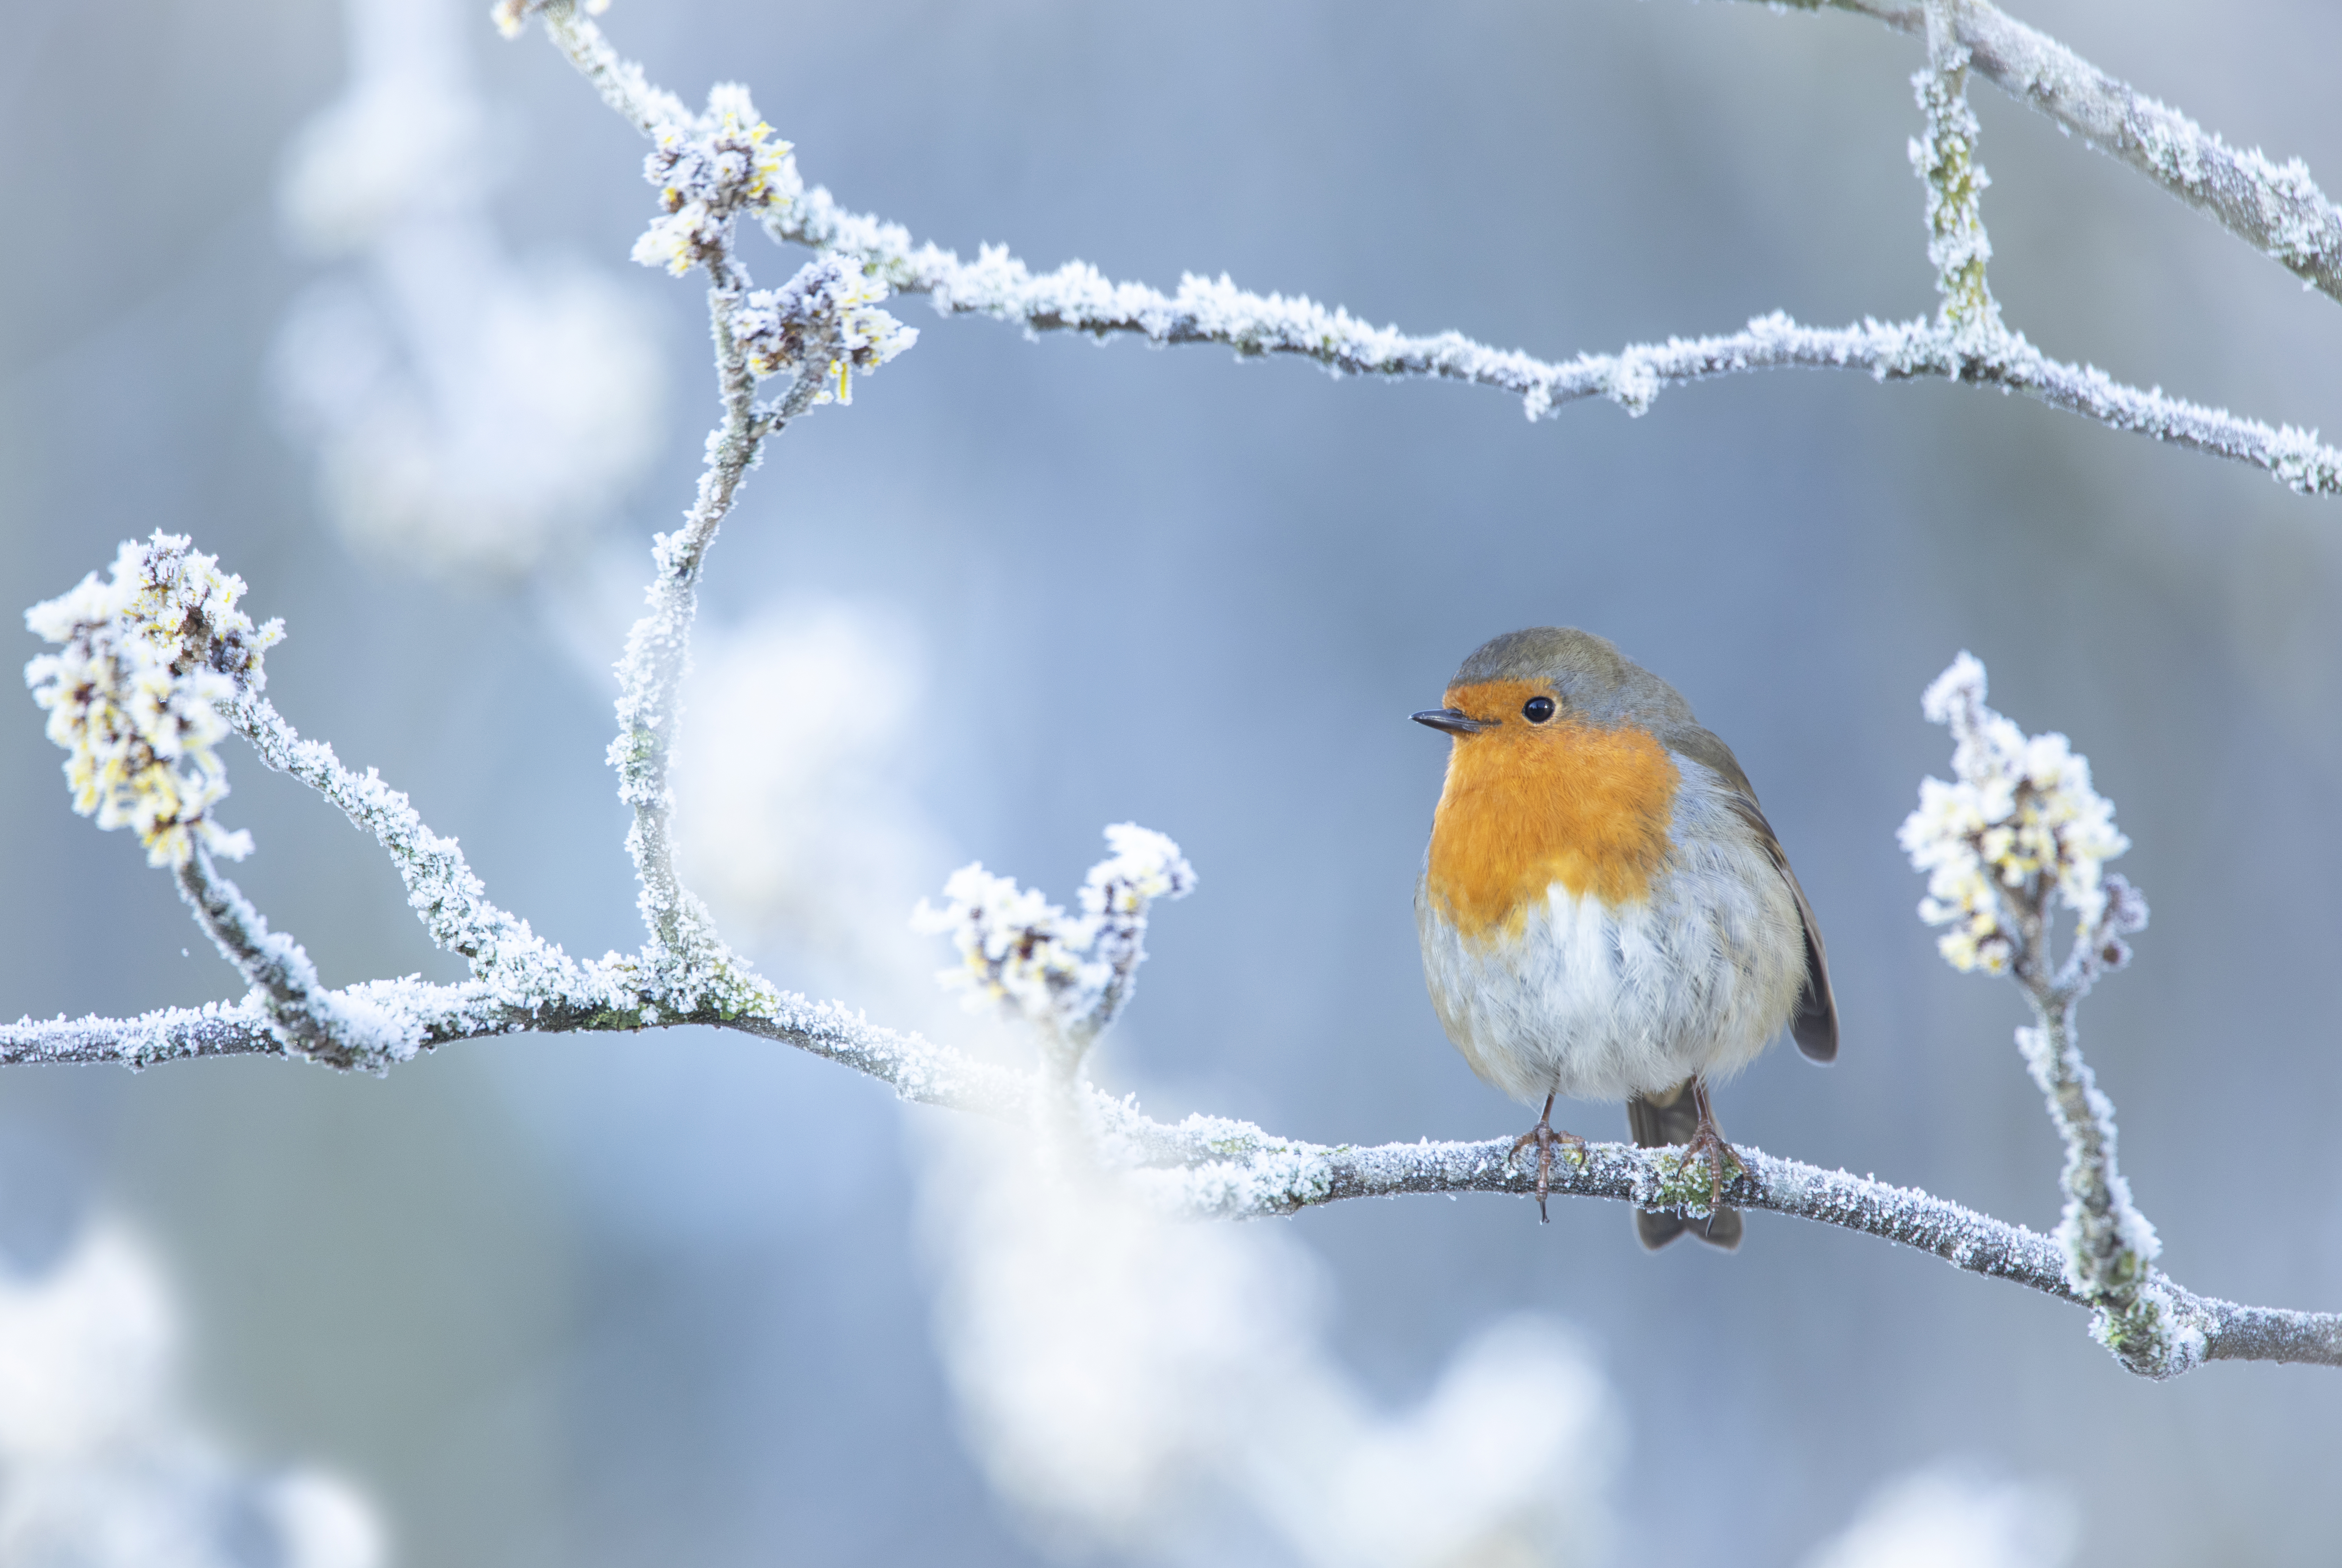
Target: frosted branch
306, 1019
2107, 1246
444, 892
1078, 297
1206, 1167
653, 111
657, 656
1209, 1168
2274, 207
2019, 830
1257, 1175
710, 170
612, 997
816, 331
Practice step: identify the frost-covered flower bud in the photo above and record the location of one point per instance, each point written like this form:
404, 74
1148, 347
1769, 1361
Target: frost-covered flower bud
133, 694
830, 308
1019, 952
1146, 865
1026, 956
2021, 818
725, 164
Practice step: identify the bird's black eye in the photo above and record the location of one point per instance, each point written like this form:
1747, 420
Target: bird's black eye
1536, 710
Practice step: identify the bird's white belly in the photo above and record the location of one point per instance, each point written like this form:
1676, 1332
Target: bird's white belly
1602, 1004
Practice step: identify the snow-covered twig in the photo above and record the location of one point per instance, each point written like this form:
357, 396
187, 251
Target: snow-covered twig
311, 1021
657, 656
652, 110
1077, 299
710, 171
445, 894
608, 998
1259, 1175
2277, 208
1205, 1167
2107, 1246
2019, 830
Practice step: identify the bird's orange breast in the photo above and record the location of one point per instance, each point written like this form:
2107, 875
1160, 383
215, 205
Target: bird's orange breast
1529, 805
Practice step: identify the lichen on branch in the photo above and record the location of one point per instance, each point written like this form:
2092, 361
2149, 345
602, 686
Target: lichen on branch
1945, 158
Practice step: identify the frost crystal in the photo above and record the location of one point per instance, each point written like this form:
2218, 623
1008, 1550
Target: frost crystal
133, 696
830, 307
1070, 973
725, 164
2021, 820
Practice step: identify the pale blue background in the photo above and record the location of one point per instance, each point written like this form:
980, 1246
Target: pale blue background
673, 1315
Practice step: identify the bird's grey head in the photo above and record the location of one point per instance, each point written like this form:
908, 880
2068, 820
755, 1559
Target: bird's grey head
1594, 682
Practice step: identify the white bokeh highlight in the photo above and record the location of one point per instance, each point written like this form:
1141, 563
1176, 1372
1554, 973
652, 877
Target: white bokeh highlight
1949, 1516
472, 411
102, 1464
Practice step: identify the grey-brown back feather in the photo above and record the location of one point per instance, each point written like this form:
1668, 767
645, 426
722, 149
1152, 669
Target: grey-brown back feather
1814, 1025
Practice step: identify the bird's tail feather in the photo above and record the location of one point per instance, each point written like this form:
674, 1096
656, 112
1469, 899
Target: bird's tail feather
1657, 1121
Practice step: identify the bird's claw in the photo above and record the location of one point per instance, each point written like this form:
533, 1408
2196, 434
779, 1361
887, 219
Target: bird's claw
1709, 1143
1544, 1135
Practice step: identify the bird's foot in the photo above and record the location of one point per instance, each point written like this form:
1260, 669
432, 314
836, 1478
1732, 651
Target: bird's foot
1707, 1142
1544, 1135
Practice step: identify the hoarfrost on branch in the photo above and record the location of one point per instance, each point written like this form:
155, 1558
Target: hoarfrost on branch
159, 662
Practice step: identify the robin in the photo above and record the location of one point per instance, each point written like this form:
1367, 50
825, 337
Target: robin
1605, 912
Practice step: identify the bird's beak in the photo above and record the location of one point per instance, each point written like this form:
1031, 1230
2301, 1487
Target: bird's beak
1454, 723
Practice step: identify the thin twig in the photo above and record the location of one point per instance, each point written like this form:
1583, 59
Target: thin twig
658, 655
1078, 297
687, 961
1946, 161
302, 1015
444, 892
2277, 208
2106, 1246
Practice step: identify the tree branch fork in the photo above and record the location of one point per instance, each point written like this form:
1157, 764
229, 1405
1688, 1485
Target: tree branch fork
718, 169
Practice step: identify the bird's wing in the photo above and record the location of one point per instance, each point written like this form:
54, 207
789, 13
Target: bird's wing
1815, 1024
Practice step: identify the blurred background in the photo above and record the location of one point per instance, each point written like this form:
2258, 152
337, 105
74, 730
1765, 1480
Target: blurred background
343, 294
